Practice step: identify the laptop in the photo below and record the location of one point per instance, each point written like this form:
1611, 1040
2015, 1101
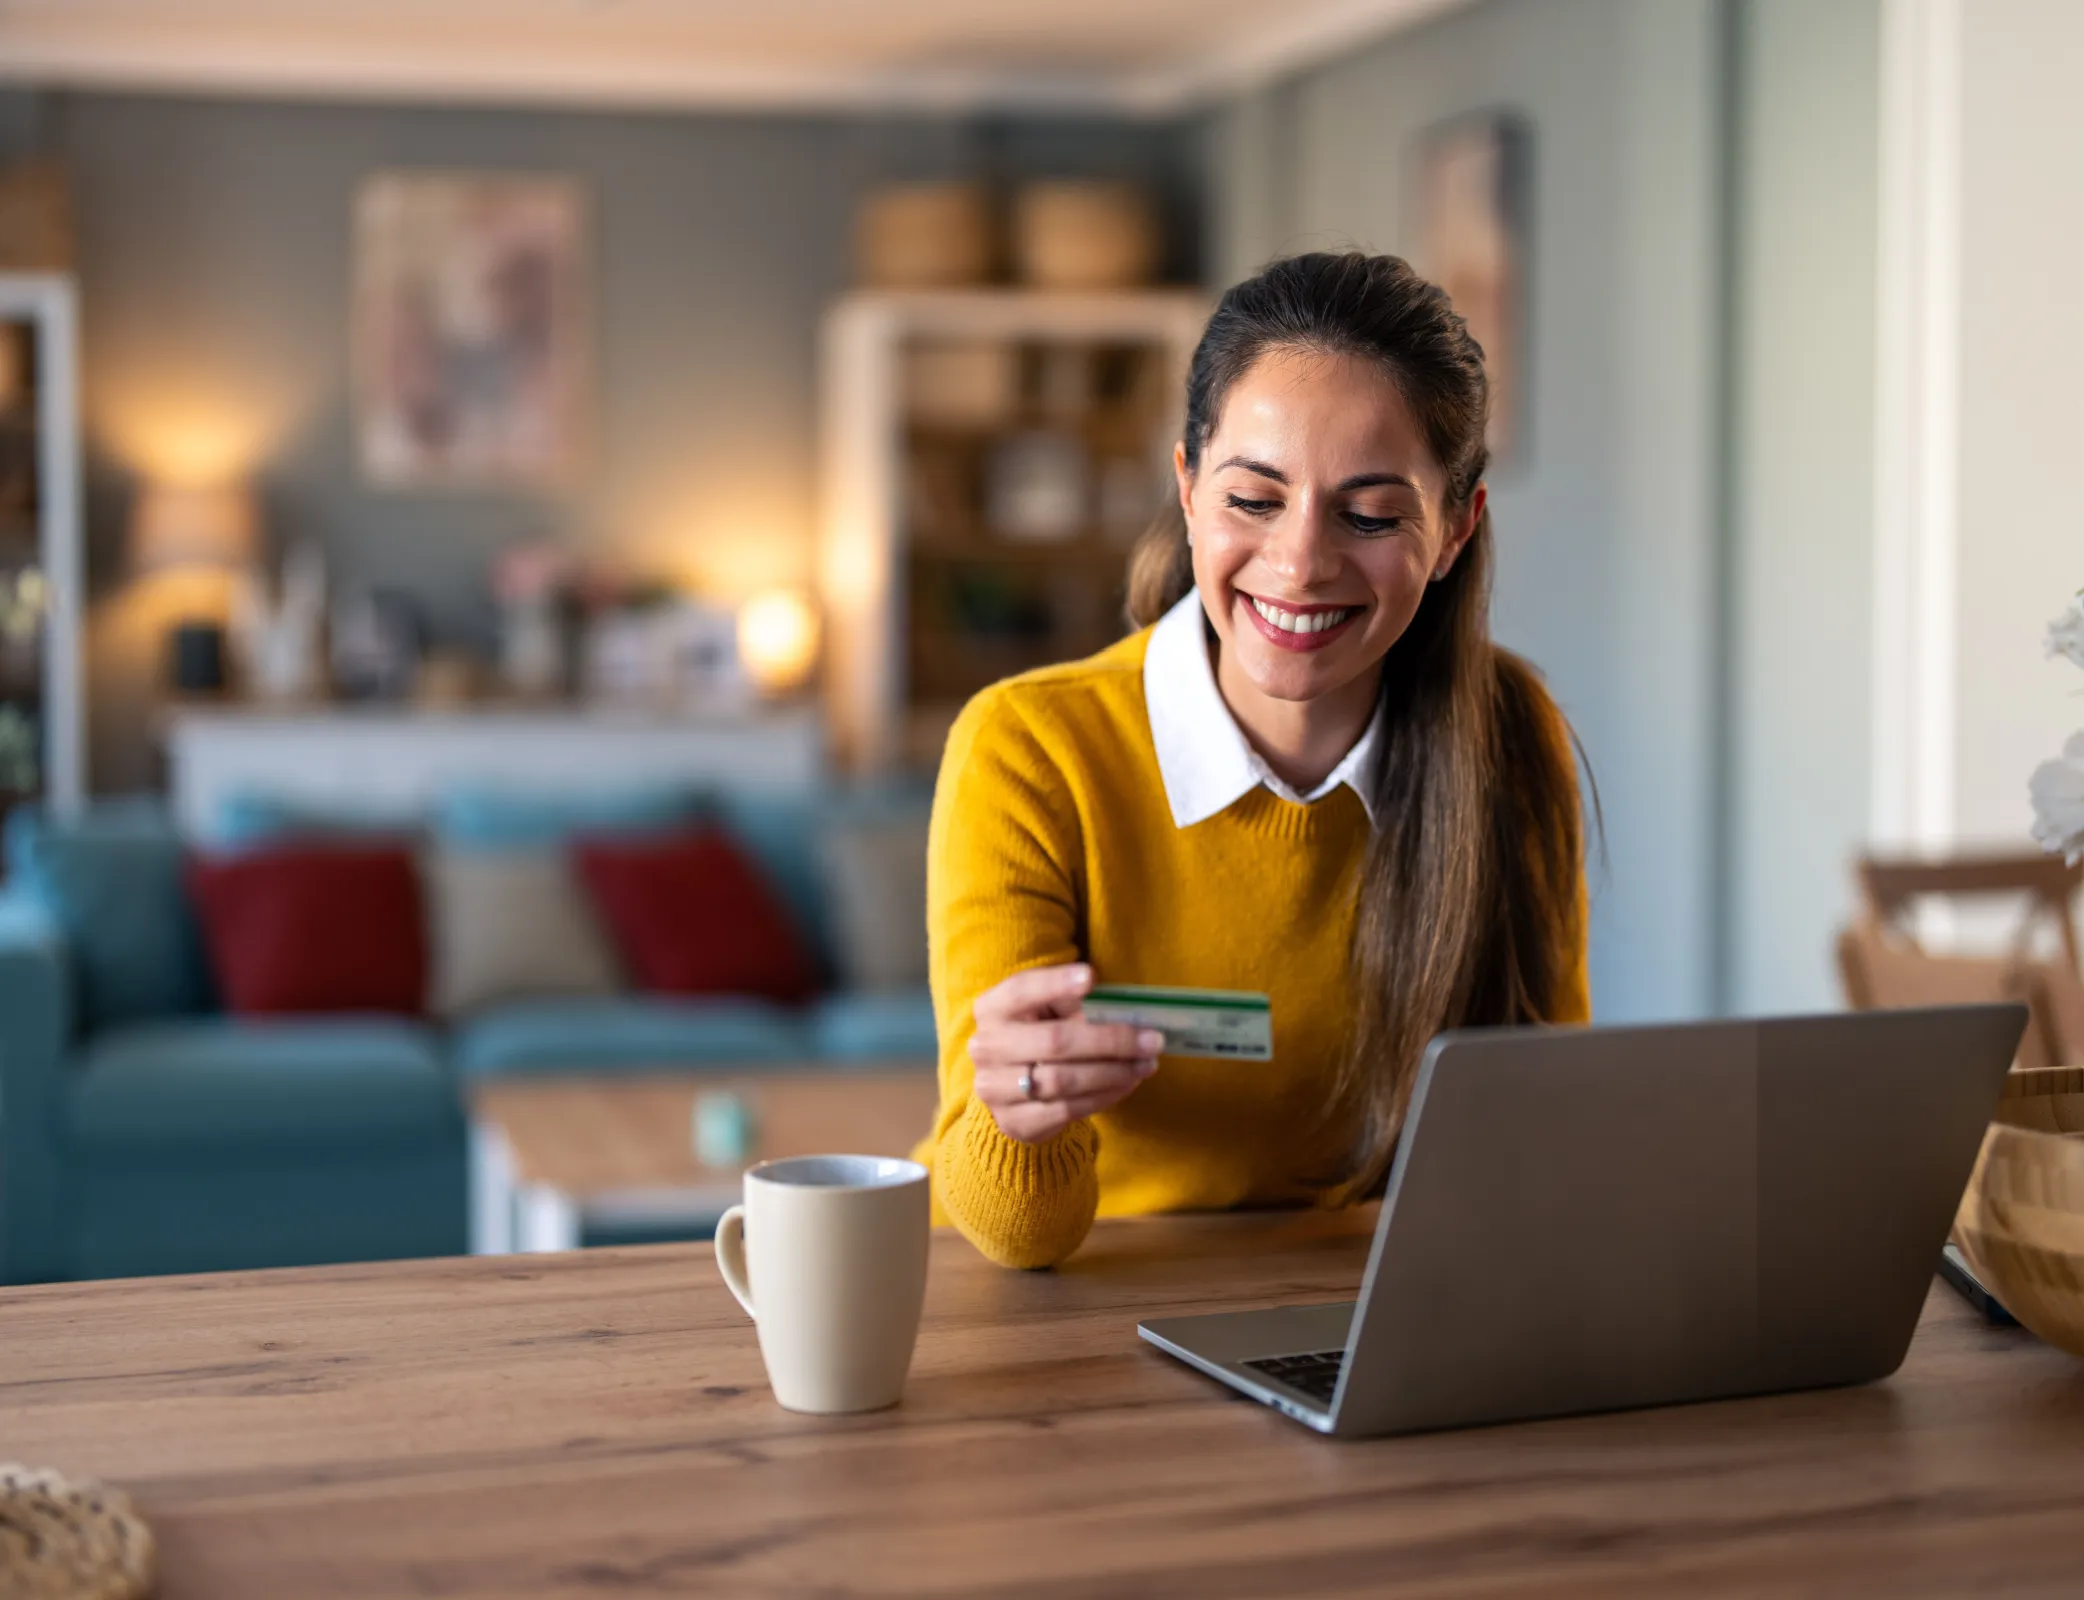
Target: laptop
1592, 1219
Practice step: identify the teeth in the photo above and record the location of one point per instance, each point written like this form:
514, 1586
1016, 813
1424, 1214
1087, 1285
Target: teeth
1307, 622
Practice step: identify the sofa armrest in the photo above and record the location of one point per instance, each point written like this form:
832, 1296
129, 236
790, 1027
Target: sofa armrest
35, 1029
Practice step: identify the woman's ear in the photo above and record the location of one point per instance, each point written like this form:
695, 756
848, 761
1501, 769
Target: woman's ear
1183, 475
1462, 532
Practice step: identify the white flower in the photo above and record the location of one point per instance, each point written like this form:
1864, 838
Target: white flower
2058, 801
2066, 632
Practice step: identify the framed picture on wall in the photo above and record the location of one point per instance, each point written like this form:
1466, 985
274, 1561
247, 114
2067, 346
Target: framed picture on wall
471, 336
1474, 192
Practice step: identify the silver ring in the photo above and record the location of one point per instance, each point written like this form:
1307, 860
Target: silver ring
1027, 1083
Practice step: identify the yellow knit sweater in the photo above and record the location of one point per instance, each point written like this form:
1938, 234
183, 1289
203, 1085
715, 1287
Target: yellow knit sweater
1052, 841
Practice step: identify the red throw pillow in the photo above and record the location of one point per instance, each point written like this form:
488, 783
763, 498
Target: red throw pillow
313, 928
690, 915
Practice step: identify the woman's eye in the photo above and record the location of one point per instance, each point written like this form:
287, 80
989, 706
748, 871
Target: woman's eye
1254, 508
1373, 525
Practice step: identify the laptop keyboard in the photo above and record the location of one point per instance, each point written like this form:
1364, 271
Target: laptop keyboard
1314, 1375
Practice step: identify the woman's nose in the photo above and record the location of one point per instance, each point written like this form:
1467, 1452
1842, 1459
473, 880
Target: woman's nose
1300, 548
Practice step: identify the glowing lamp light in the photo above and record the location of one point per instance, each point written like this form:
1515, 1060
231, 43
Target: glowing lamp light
175, 526
778, 639
194, 532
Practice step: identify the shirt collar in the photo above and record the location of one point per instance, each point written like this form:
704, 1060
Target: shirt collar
1203, 756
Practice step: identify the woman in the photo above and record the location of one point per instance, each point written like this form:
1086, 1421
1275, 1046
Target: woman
1313, 775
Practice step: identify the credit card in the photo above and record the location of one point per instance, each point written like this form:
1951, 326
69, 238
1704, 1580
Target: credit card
1229, 1024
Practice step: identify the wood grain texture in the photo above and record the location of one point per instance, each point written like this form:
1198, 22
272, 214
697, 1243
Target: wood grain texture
598, 1424
589, 1136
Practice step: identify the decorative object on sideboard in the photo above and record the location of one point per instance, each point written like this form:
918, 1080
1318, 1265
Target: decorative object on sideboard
377, 638
278, 630
448, 680
532, 584
1474, 187
650, 645
1080, 234
707, 662
195, 658
2057, 786
195, 528
36, 229
779, 632
924, 236
471, 334
627, 656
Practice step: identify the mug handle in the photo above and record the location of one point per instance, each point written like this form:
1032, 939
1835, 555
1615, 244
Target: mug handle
730, 1257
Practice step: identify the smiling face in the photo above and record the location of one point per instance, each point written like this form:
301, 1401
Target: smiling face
1318, 516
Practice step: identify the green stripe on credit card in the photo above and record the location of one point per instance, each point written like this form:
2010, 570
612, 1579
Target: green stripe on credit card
1215, 1024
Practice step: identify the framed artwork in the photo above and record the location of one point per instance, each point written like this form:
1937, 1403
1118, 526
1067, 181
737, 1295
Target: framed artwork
470, 329
1474, 190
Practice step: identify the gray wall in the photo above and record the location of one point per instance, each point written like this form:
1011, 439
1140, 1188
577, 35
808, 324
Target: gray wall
1685, 549
1807, 164
214, 263
1609, 547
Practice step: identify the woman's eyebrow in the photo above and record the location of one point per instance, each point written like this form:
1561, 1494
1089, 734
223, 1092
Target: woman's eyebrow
1360, 480
1376, 480
1259, 468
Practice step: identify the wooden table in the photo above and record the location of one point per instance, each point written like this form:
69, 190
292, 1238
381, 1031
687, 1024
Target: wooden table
598, 1424
549, 1157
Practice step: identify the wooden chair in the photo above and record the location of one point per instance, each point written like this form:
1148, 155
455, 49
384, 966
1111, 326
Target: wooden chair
1883, 965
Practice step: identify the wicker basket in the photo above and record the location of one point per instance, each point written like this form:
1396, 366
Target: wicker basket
924, 236
69, 1541
2021, 1222
1070, 234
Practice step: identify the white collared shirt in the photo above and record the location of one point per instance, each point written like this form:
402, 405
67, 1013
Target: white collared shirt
1206, 761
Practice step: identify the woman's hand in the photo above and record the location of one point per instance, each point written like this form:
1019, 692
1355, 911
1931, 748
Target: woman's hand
1040, 1065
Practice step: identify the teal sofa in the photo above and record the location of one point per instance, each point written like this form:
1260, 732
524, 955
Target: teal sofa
144, 1131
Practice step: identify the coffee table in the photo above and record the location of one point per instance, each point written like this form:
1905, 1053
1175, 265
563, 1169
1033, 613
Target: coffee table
550, 1157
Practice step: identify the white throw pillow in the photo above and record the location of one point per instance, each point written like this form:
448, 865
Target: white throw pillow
510, 924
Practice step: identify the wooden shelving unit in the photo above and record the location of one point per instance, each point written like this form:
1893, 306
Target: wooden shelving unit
42, 756
989, 458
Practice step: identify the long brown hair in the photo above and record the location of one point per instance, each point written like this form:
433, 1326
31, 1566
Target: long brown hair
1476, 859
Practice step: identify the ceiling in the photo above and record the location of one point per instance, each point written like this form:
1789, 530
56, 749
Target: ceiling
1146, 57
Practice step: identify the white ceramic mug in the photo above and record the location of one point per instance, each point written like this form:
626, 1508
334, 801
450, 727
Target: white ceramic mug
828, 1257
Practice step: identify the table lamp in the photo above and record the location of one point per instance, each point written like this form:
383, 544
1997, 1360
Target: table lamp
778, 639
186, 528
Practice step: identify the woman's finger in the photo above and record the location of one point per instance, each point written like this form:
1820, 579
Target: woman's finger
1054, 1081
1063, 1039
1037, 992
1031, 1123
